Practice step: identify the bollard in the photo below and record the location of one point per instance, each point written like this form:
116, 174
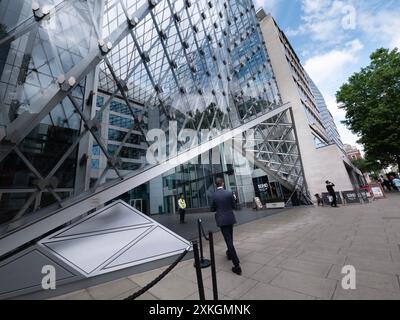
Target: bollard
198, 270
213, 268
205, 263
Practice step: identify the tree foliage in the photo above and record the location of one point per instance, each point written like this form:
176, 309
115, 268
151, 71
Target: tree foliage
367, 165
371, 99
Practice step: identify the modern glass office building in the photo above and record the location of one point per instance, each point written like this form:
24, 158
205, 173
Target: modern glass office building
83, 82
139, 100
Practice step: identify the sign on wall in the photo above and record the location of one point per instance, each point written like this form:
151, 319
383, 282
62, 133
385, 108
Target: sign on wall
377, 191
364, 195
326, 196
351, 197
263, 187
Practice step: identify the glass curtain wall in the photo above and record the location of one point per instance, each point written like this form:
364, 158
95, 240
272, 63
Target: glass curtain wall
108, 72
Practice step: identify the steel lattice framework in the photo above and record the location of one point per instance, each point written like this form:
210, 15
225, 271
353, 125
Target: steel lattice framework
277, 152
202, 64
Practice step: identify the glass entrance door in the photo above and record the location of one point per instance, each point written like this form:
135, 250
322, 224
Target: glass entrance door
137, 204
169, 204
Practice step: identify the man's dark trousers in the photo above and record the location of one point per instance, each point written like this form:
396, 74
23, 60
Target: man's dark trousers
182, 215
334, 200
227, 232
223, 203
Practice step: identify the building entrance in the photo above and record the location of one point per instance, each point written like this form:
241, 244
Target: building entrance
137, 204
170, 204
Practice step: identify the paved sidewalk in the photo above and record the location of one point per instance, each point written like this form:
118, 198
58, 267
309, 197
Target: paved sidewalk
189, 229
296, 254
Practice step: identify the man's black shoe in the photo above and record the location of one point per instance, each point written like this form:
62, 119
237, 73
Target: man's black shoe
227, 255
237, 270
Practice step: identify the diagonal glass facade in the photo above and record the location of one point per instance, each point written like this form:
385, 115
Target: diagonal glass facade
83, 83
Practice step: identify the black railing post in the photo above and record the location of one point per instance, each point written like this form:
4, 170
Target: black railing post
205, 263
200, 240
213, 268
197, 265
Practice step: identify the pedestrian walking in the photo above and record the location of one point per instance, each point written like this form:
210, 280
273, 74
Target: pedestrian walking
223, 204
396, 183
330, 187
236, 199
387, 184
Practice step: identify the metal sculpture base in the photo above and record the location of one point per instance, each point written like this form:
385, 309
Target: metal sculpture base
205, 263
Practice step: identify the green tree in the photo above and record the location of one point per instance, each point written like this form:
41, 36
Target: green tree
371, 99
367, 165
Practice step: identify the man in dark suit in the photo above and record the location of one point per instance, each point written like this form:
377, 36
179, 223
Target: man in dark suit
223, 203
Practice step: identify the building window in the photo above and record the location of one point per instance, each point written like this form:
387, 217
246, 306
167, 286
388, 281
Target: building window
319, 143
99, 102
121, 122
95, 163
119, 107
96, 150
116, 135
127, 152
130, 166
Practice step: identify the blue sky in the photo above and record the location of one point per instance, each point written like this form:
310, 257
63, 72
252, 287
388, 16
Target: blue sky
334, 39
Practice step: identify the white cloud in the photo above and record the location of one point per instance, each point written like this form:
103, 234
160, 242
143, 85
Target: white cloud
327, 21
382, 27
322, 68
348, 137
270, 6
322, 21
329, 71
312, 6
338, 114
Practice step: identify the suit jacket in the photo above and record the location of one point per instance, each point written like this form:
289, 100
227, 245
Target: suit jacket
223, 204
330, 189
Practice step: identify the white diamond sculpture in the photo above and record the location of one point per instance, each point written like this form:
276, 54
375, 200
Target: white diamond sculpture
116, 237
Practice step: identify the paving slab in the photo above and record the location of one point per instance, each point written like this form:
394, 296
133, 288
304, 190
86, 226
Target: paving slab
305, 284
364, 293
315, 268
267, 292
77, 295
173, 287
266, 274
113, 289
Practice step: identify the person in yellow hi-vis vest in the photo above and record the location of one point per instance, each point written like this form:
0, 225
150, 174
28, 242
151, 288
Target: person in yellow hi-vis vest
182, 208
